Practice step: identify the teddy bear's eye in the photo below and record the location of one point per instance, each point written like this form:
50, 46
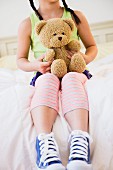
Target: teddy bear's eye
62, 33
54, 34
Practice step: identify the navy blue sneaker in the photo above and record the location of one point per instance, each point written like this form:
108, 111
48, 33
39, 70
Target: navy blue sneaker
79, 158
47, 153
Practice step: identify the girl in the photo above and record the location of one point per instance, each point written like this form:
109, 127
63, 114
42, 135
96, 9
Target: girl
44, 104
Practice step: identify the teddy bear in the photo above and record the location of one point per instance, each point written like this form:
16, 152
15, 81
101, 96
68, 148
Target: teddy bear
55, 36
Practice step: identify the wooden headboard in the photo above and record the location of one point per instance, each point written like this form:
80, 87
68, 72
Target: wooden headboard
102, 32
8, 46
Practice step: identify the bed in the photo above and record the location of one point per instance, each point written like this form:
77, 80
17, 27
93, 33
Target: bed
17, 132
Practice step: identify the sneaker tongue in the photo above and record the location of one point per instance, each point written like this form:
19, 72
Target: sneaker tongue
83, 133
42, 136
79, 132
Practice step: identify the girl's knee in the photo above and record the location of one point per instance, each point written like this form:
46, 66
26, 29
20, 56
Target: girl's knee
47, 77
75, 76
68, 75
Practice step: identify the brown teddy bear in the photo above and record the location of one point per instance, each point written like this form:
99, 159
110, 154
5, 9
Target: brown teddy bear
55, 35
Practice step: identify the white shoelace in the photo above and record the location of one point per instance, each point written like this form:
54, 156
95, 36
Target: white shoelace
48, 148
79, 145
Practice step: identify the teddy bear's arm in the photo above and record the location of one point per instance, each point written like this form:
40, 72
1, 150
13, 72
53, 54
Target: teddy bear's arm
74, 45
49, 55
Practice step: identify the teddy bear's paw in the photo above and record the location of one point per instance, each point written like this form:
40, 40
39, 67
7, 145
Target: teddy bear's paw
59, 68
49, 55
74, 45
77, 63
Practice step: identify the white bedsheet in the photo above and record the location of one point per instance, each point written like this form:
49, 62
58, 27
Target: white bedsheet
17, 133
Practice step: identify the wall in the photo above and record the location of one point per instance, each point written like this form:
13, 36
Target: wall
12, 12
95, 10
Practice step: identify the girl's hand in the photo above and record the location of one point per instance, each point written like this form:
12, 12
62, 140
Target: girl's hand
84, 56
42, 66
70, 53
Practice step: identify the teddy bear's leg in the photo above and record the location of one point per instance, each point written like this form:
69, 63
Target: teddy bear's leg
59, 68
77, 63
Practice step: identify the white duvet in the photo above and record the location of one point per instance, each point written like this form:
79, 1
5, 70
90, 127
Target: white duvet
17, 133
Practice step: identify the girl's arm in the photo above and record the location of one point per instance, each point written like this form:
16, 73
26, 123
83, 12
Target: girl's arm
24, 41
87, 38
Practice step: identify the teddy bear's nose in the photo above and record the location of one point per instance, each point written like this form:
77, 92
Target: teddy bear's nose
60, 38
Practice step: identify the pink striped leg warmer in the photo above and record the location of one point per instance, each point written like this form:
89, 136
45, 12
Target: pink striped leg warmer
73, 94
46, 92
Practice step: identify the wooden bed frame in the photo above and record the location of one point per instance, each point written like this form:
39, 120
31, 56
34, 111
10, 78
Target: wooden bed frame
102, 32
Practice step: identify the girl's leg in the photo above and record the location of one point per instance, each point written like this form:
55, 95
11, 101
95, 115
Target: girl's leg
44, 104
75, 109
44, 109
43, 118
75, 101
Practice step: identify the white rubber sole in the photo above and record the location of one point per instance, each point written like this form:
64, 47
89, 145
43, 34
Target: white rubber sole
78, 165
54, 167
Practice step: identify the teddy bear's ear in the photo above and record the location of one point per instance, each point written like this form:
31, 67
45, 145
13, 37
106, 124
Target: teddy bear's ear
70, 22
39, 26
